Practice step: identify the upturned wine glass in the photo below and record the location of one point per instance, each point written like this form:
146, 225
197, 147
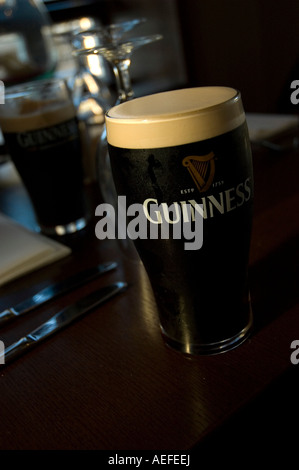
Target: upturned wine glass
112, 43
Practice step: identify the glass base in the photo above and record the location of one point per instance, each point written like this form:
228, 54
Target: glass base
193, 349
67, 229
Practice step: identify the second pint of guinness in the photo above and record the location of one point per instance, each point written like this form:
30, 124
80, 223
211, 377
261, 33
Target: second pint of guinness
190, 149
41, 132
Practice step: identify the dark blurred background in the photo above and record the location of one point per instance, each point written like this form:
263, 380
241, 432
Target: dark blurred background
252, 45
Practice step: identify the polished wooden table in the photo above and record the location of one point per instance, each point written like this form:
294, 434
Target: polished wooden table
108, 382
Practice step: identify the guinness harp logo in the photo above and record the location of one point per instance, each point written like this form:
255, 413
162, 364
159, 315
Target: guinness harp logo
202, 170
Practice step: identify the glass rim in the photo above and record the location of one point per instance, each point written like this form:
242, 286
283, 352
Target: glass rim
19, 89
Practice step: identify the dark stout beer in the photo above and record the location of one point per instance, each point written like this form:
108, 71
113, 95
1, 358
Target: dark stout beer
191, 146
44, 143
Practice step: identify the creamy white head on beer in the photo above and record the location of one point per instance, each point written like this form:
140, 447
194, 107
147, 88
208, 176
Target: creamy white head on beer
35, 105
174, 117
36, 115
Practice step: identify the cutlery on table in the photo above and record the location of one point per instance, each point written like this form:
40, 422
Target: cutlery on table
54, 290
61, 320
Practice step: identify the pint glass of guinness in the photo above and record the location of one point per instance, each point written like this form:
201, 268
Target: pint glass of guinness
41, 132
189, 149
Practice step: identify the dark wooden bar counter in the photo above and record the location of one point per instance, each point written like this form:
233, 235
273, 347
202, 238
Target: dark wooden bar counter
108, 382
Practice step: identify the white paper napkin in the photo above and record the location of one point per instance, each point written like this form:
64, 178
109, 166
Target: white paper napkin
22, 251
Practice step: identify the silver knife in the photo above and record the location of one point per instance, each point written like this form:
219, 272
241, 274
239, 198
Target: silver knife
53, 291
61, 320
